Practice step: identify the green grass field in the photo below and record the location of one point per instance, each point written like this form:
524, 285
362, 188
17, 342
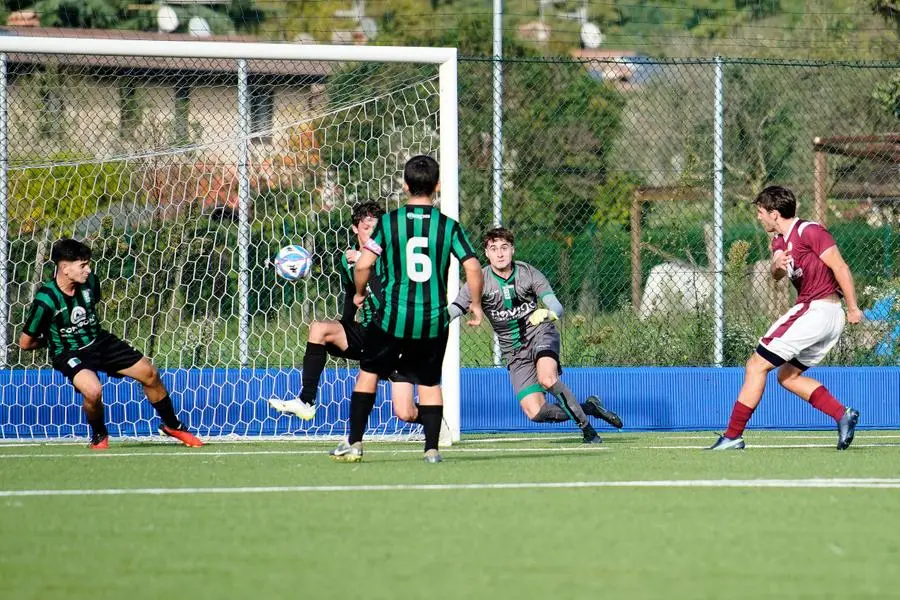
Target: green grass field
642, 516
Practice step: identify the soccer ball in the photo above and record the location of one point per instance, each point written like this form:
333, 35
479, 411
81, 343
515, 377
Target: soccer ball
293, 263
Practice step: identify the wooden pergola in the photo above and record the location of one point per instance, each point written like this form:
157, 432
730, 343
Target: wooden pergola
883, 148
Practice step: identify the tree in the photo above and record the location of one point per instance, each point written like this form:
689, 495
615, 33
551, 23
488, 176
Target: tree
241, 15
559, 126
760, 138
887, 94
97, 14
889, 9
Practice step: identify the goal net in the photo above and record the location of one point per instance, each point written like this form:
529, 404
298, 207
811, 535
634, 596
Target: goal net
186, 166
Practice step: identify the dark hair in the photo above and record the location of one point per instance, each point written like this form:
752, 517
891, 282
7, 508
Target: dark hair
421, 175
69, 250
364, 210
499, 233
776, 197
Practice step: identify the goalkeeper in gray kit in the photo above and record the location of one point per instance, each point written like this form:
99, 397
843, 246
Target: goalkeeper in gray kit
529, 340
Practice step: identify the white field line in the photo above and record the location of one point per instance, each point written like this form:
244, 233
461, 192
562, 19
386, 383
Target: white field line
752, 446
321, 452
656, 437
777, 436
182, 452
675, 436
672, 483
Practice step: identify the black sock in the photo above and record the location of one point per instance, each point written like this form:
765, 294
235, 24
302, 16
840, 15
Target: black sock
167, 412
431, 417
313, 365
97, 423
551, 413
361, 405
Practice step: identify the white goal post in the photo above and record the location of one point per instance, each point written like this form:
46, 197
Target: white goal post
38, 153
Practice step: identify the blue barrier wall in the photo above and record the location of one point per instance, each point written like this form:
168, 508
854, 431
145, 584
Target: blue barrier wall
39, 403
686, 398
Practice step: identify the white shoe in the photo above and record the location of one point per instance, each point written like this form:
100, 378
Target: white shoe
347, 452
295, 407
276, 404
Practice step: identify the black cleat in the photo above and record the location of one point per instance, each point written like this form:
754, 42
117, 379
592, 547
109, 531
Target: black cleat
847, 428
594, 407
724, 443
590, 435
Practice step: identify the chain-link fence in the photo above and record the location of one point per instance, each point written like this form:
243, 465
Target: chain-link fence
608, 183
610, 188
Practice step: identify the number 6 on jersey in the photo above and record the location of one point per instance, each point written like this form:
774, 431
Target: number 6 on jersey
415, 243
418, 265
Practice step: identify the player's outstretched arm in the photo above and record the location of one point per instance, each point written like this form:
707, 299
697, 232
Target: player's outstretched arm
27, 342
542, 289
455, 311
460, 306
475, 281
833, 259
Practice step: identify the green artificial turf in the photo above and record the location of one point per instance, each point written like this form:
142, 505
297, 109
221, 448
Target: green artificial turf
324, 536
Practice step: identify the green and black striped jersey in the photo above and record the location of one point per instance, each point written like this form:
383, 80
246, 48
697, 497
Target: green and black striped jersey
373, 297
67, 322
414, 244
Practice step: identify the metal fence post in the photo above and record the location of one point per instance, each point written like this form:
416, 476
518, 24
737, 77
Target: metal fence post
718, 212
497, 146
4, 214
243, 170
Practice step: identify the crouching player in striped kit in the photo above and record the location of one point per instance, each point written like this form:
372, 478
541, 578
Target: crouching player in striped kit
64, 317
806, 253
528, 337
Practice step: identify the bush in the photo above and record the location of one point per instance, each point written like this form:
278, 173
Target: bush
60, 195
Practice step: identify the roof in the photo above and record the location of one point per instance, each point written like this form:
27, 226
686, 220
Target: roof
295, 68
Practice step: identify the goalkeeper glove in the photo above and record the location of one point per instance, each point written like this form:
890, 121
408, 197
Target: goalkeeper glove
542, 315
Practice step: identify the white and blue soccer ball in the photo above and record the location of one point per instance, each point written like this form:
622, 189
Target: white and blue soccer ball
293, 263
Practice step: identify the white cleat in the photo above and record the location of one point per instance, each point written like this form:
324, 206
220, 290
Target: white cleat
295, 407
347, 452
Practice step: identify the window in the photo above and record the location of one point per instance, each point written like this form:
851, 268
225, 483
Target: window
181, 127
262, 112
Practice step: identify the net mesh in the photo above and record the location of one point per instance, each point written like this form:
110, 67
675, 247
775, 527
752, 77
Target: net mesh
139, 158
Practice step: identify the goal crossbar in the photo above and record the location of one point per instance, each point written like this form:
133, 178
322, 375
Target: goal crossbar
445, 58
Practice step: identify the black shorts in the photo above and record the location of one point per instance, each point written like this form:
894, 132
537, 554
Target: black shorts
355, 336
107, 353
418, 361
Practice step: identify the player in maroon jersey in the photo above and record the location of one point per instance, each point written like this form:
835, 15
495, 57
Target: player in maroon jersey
807, 254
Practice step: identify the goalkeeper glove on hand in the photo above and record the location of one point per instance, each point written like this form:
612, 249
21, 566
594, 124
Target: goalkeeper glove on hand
542, 315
